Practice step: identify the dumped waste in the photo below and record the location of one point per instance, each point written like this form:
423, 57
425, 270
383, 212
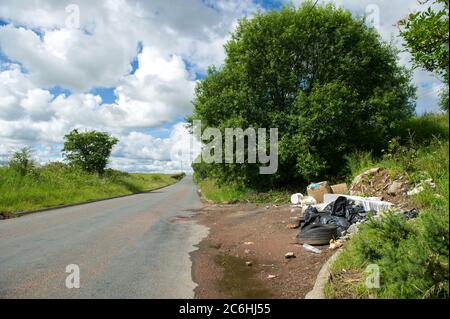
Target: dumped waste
342, 212
312, 249
332, 214
319, 225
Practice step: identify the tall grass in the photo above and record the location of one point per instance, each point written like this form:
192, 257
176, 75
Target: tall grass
412, 255
57, 184
232, 193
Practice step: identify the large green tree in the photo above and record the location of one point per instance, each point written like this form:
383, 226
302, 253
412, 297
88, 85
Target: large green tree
88, 150
426, 37
322, 77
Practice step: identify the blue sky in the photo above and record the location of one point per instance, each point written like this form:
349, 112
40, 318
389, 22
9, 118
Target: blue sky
129, 68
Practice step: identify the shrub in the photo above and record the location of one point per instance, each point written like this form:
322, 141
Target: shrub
88, 150
22, 162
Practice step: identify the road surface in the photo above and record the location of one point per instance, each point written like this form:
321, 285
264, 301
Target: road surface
130, 247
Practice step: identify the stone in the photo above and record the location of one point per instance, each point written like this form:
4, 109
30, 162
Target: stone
352, 229
334, 244
395, 188
289, 255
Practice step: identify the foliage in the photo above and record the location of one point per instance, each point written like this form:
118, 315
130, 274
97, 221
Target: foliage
22, 162
323, 78
231, 193
58, 184
412, 255
426, 36
88, 150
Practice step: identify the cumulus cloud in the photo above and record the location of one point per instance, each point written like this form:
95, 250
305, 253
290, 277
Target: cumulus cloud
172, 42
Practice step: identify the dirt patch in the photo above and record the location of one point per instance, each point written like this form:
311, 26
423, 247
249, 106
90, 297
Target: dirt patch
242, 233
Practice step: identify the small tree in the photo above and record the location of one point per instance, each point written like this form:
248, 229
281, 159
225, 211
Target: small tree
89, 150
21, 161
426, 37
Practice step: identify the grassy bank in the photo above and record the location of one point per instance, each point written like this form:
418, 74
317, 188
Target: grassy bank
412, 255
231, 193
57, 184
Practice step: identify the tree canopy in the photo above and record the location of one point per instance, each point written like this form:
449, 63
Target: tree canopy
88, 150
322, 77
426, 37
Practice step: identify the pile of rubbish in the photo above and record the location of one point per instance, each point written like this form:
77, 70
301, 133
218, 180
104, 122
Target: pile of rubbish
328, 217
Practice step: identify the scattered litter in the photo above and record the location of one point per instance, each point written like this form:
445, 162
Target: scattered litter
300, 199
293, 226
312, 249
339, 188
368, 203
317, 234
248, 263
419, 188
247, 251
295, 198
289, 255
271, 276
249, 243
318, 190
271, 265
334, 244
416, 190
413, 213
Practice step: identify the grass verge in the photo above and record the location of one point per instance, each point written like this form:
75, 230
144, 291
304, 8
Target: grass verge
57, 184
231, 193
412, 256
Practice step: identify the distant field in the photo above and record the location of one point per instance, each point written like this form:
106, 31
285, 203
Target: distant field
57, 184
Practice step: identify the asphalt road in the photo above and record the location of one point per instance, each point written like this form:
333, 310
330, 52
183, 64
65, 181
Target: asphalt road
130, 247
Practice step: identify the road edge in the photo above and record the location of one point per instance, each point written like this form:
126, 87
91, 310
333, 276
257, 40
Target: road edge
41, 210
322, 278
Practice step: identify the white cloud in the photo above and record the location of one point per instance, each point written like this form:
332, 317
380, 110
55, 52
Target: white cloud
179, 38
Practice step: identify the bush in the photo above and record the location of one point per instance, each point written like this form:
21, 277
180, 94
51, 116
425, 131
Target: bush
88, 150
323, 78
22, 162
412, 255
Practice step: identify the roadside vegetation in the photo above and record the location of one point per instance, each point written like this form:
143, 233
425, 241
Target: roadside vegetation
350, 110
26, 186
59, 184
412, 255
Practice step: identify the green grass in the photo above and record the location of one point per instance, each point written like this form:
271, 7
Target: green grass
231, 193
412, 255
57, 184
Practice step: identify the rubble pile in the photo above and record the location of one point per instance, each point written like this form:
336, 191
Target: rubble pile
329, 215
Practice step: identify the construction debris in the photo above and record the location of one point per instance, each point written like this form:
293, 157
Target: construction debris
339, 189
420, 187
317, 190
